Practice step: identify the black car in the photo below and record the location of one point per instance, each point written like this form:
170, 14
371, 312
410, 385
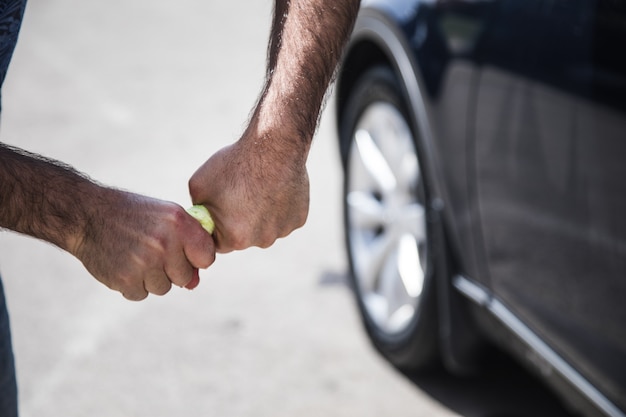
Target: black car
484, 151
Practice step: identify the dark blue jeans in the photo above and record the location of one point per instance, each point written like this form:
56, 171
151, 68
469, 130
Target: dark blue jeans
8, 386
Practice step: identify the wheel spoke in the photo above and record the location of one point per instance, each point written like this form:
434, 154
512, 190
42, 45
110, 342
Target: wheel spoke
374, 161
366, 212
409, 267
388, 282
412, 218
373, 259
399, 152
399, 318
400, 283
401, 276
407, 172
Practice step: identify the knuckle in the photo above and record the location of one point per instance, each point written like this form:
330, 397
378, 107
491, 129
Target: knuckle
155, 246
125, 284
236, 240
174, 216
178, 215
266, 242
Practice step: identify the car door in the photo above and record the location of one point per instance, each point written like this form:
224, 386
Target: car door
549, 160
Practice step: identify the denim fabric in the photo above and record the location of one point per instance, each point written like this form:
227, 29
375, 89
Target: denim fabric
8, 386
11, 13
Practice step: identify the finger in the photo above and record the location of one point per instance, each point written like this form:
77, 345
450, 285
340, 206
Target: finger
130, 285
231, 237
158, 283
178, 268
199, 246
221, 245
136, 295
194, 281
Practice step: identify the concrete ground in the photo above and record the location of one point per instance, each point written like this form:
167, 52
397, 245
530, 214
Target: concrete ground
138, 94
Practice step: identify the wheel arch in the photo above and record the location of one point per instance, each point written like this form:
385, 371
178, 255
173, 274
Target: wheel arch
377, 40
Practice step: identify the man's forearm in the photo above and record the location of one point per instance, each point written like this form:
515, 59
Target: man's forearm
42, 198
131, 243
258, 188
307, 40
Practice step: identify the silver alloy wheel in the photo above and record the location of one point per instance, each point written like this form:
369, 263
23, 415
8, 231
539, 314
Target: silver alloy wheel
386, 218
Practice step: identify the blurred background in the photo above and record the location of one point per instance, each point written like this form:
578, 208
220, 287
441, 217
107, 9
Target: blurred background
137, 94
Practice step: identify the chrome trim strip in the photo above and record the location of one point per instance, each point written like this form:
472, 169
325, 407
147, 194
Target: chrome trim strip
472, 291
482, 297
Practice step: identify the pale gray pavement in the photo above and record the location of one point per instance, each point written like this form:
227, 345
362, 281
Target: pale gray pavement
138, 94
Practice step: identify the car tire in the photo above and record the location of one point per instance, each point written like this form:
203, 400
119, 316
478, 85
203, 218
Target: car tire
389, 225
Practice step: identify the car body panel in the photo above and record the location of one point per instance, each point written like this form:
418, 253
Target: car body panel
523, 105
549, 153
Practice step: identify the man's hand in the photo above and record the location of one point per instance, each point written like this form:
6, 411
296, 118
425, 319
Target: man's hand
138, 245
257, 190
132, 244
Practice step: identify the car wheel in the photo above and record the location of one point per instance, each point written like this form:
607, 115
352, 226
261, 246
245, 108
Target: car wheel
388, 227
